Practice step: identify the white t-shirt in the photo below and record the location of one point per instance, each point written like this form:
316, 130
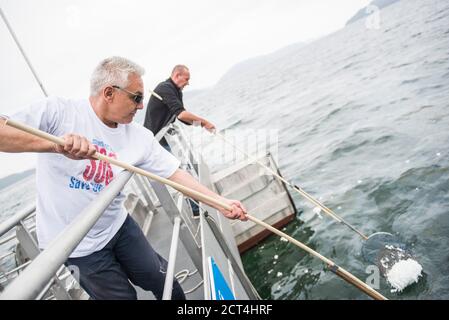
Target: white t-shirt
65, 187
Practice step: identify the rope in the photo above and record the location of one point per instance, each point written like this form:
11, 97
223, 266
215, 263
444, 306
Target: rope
182, 275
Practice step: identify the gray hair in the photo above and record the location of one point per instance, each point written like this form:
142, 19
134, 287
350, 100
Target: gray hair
179, 68
113, 71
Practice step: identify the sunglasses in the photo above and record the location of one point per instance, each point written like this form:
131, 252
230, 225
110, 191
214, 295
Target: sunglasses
136, 97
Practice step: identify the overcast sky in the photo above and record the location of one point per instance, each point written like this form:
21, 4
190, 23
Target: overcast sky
65, 39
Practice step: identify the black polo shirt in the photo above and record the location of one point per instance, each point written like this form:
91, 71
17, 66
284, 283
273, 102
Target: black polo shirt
161, 113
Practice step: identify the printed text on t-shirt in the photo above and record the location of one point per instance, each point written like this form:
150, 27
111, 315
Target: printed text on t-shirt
97, 173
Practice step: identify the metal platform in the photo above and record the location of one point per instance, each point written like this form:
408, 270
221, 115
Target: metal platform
264, 195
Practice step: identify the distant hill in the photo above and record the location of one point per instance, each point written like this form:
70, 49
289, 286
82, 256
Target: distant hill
362, 13
259, 62
11, 179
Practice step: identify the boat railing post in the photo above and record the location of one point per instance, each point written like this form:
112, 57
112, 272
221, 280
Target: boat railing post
10, 223
172, 211
188, 153
161, 133
28, 242
200, 169
168, 286
60, 293
145, 193
17, 221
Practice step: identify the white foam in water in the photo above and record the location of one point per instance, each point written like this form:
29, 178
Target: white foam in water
404, 273
317, 211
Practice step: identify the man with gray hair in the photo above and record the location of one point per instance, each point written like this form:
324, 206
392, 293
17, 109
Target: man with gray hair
114, 251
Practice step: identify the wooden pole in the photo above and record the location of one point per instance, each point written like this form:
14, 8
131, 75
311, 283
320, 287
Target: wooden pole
204, 198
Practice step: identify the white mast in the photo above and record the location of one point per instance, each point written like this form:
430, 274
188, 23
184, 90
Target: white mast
23, 53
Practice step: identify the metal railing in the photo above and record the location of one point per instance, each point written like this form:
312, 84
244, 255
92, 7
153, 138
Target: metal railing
18, 220
218, 241
168, 285
10, 223
43, 273
35, 278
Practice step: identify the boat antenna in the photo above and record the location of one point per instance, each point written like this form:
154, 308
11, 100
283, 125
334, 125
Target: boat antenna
11, 31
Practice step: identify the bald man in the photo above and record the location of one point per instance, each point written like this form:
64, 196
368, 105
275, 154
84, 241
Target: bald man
161, 113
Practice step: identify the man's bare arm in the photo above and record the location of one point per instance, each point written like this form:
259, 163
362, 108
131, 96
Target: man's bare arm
189, 117
184, 178
14, 140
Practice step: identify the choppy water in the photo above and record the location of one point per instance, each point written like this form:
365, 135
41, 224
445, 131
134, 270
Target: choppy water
363, 118
12, 200
17, 196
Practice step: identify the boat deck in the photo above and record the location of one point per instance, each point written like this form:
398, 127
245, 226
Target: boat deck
159, 236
